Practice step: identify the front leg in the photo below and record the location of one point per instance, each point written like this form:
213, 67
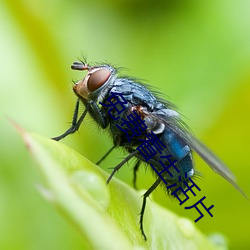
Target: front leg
98, 115
75, 124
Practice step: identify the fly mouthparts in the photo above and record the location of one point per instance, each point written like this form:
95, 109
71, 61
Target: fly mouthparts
79, 66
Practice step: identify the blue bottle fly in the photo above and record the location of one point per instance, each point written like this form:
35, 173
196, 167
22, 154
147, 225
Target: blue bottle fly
100, 87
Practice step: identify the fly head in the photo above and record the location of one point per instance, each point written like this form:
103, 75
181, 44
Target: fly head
96, 79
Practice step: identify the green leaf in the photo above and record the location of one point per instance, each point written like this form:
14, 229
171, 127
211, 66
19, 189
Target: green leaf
107, 215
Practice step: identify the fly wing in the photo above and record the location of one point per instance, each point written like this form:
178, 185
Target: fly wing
208, 156
176, 125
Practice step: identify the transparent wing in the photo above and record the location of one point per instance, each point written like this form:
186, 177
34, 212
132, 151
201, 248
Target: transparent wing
175, 124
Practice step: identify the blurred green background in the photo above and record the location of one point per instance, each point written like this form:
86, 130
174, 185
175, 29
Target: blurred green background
195, 52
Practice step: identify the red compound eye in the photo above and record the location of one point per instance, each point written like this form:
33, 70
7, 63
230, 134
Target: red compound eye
97, 79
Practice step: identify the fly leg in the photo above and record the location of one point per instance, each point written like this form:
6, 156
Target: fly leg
75, 124
98, 114
121, 164
145, 196
135, 169
105, 155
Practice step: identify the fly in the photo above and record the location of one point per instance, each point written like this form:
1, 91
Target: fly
101, 86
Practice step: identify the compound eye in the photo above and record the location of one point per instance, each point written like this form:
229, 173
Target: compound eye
97, 79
